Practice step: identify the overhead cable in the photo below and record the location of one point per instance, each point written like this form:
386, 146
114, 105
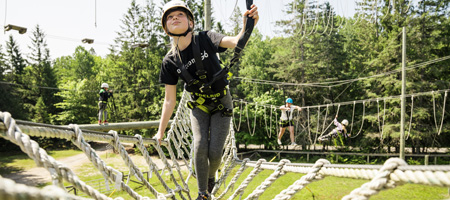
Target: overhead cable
341, 82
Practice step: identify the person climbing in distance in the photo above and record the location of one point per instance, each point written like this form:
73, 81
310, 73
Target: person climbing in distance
339, 130
287, 111
193, 59
105, 94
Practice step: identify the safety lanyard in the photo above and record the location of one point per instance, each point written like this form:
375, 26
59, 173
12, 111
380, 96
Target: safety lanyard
238, 49
203, 85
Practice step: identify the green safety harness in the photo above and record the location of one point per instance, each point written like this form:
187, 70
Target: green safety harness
206, 95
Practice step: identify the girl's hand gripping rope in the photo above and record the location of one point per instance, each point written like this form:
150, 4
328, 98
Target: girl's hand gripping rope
158, 137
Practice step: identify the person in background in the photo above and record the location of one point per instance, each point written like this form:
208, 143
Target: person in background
105, 94
287, 111
339, 130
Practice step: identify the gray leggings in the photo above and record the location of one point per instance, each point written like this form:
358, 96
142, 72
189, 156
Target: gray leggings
102, 113
210, 133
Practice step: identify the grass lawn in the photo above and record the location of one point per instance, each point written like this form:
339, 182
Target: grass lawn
328, 188
18, 161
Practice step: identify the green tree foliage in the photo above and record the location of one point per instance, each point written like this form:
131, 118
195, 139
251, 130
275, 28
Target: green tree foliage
15, 59
78, 88
3, 65
37, 78
323, 47
318, 59
13, 64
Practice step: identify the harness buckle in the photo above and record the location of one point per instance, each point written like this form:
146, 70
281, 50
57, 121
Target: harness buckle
227, 113
205, 89
190, 104
200, 100
201, 74
192, 82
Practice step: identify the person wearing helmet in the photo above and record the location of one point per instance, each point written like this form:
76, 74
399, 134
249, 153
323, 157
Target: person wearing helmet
339, 130
287, 111
193, 59
105, 94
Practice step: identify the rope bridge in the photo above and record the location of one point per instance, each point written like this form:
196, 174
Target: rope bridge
178, 147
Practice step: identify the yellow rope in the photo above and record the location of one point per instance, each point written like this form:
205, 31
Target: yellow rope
112, 193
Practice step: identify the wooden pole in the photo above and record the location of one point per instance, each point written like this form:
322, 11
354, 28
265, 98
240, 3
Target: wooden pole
121, 126
207, 14
403, 101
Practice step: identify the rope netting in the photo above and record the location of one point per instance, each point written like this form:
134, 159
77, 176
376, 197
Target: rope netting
176, 151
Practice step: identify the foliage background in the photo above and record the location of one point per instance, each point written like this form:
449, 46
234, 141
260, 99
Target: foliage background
316, 49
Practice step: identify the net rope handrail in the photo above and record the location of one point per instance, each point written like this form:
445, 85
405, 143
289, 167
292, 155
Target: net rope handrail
178, 145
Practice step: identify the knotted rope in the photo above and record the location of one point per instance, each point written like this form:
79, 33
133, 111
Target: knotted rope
305, 180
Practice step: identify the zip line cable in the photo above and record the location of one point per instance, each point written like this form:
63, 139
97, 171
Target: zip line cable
95, 23
74, 90
323, 84
349, 84
323, 105
4, 22
368, 100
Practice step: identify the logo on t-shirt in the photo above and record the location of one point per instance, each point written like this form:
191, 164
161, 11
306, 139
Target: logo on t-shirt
192, 61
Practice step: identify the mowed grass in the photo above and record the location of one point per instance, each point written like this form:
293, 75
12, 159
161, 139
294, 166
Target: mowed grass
328, 188
336, 188
11, 162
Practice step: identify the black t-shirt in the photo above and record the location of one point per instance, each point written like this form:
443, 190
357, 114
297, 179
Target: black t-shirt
169, 74
104, 95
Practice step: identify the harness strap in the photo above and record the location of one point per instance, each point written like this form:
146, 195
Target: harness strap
195, 104
237, 50
214, 100
201, 72
217, 95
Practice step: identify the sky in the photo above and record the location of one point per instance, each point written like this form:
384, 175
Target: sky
67, 22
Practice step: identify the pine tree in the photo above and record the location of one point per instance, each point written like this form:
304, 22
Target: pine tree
3, 65
15, 60
40, 74
152, 30
132, 31
10, 100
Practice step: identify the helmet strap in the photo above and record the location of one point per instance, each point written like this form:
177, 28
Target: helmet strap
180, 35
